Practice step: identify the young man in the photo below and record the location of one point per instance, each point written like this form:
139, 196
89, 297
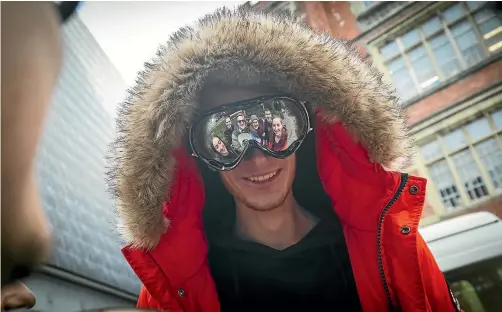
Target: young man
265, 126
237, 135
255, 129
228, 131
325, 224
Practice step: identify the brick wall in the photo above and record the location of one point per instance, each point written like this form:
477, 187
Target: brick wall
337, 19
494, 206
455, 92
342, 20
316, 16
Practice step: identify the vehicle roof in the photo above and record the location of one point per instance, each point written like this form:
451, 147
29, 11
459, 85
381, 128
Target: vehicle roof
464, 240
457, 225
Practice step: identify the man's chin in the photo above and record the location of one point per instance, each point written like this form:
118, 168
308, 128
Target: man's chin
264, 206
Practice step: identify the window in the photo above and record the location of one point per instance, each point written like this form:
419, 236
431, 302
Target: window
465, 164
427, 210
448, 42
478, 286
441, 175
282, 6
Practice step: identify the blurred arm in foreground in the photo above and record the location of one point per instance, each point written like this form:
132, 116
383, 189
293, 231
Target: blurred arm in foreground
17, 295
31, 60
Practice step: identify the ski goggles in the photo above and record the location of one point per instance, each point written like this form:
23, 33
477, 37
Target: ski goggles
277, 125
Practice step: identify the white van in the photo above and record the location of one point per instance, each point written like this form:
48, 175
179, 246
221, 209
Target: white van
468, 249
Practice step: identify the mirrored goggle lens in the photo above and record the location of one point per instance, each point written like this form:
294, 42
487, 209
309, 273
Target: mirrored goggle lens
274, 124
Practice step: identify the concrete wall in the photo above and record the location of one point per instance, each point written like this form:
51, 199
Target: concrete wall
71, 177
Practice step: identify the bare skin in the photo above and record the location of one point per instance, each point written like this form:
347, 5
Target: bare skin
17, 295
266, 211
31, 59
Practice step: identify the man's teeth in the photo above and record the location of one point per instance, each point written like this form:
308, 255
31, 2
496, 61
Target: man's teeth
262, 178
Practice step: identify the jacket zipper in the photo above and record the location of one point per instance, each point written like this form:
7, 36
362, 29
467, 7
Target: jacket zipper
404, 181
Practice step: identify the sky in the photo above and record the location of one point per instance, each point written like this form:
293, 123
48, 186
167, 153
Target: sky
130, 32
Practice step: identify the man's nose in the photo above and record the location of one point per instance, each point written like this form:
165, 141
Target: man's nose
256, 156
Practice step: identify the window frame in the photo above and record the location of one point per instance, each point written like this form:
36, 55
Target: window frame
395, 34
282, 6
446, 124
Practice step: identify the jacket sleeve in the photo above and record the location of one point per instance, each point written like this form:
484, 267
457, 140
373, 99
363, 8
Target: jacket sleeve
437, 291
145, 300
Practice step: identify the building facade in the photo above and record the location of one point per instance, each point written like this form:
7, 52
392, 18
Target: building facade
86, 269
445, 60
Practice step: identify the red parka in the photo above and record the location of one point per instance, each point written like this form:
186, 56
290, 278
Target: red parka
359, 131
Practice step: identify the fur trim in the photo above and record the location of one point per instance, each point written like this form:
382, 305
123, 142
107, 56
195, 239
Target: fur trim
244, 48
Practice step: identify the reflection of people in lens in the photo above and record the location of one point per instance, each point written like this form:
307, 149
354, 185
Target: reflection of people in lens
278, 141
267, 127
220, 148
241, 128
254, 128
228, 131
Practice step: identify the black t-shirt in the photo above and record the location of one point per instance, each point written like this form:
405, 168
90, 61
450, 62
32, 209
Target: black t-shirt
313, 275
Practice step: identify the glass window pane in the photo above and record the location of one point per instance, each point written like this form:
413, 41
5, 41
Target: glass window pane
483, 16
431, 151
491, 156
402, 79
477, 286
396, 65
431, 26
497, 119
470, 48
473, 54
487, 26
466, 40
473, 5
422, 65
469, 174
410, 38
389, 50
461, 27
417, 53
495, 42
443, 180
454, 140
453, 13
490, 27
438, 41
444, 55
478, 128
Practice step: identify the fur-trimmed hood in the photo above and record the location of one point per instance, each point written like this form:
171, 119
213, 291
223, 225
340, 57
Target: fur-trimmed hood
243, 48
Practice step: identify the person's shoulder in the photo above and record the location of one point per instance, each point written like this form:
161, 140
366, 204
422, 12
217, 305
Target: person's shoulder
145, 300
